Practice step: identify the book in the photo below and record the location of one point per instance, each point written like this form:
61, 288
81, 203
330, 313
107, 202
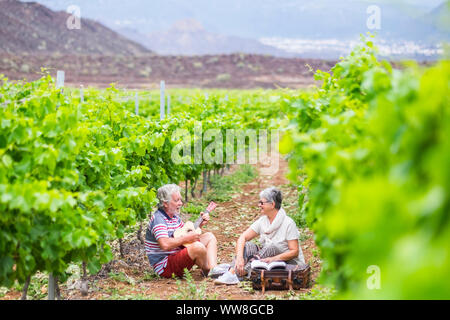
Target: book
261, 265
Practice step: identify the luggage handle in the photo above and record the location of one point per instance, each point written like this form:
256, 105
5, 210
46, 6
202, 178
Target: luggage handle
290, 280
263, 282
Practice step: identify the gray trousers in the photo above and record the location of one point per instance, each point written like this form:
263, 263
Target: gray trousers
253, 251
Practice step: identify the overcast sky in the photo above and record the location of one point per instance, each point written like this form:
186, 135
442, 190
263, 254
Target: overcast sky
257, 18
422, 3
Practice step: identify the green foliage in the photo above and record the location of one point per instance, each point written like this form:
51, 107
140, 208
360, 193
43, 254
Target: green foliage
37, 288
224, 186
122, 277
189, 290
194, 210
75, 176
150, 275
246, 286
371, 153
316, 293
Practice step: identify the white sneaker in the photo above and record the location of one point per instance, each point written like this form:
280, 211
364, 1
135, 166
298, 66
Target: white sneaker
227, 278
219, 270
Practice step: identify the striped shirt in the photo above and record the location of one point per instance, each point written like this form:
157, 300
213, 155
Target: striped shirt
160, 226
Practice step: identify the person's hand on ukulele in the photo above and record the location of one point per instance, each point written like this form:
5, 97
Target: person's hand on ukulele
205, 216
191, 237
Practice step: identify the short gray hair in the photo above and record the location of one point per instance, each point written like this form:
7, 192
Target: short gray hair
272, 194
165, 193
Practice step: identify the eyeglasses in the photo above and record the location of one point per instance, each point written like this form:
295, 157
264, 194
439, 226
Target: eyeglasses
262, 202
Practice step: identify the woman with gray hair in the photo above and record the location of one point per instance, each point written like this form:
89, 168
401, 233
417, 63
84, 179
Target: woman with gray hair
278, 237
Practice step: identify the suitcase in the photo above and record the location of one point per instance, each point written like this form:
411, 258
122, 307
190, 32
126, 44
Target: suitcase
294, 277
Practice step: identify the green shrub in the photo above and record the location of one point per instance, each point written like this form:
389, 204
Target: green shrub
373, 145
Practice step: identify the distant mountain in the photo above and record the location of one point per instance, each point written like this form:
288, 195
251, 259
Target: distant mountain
255, 19
33, 28
189, 37
301, 28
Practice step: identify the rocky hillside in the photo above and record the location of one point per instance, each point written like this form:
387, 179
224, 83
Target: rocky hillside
33, 28
240, 71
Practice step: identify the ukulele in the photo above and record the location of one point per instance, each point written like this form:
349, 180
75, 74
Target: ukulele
193, 227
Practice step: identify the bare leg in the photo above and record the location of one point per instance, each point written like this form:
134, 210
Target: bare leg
210, 242
198, 253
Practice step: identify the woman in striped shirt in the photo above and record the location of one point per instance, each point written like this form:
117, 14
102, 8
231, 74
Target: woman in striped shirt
166, 254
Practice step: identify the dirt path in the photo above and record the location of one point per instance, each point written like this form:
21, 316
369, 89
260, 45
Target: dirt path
131, 277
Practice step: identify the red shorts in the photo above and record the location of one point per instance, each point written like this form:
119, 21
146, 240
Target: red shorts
176, 263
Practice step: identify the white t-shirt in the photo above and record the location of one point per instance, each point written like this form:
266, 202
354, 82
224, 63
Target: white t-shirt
287, 231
